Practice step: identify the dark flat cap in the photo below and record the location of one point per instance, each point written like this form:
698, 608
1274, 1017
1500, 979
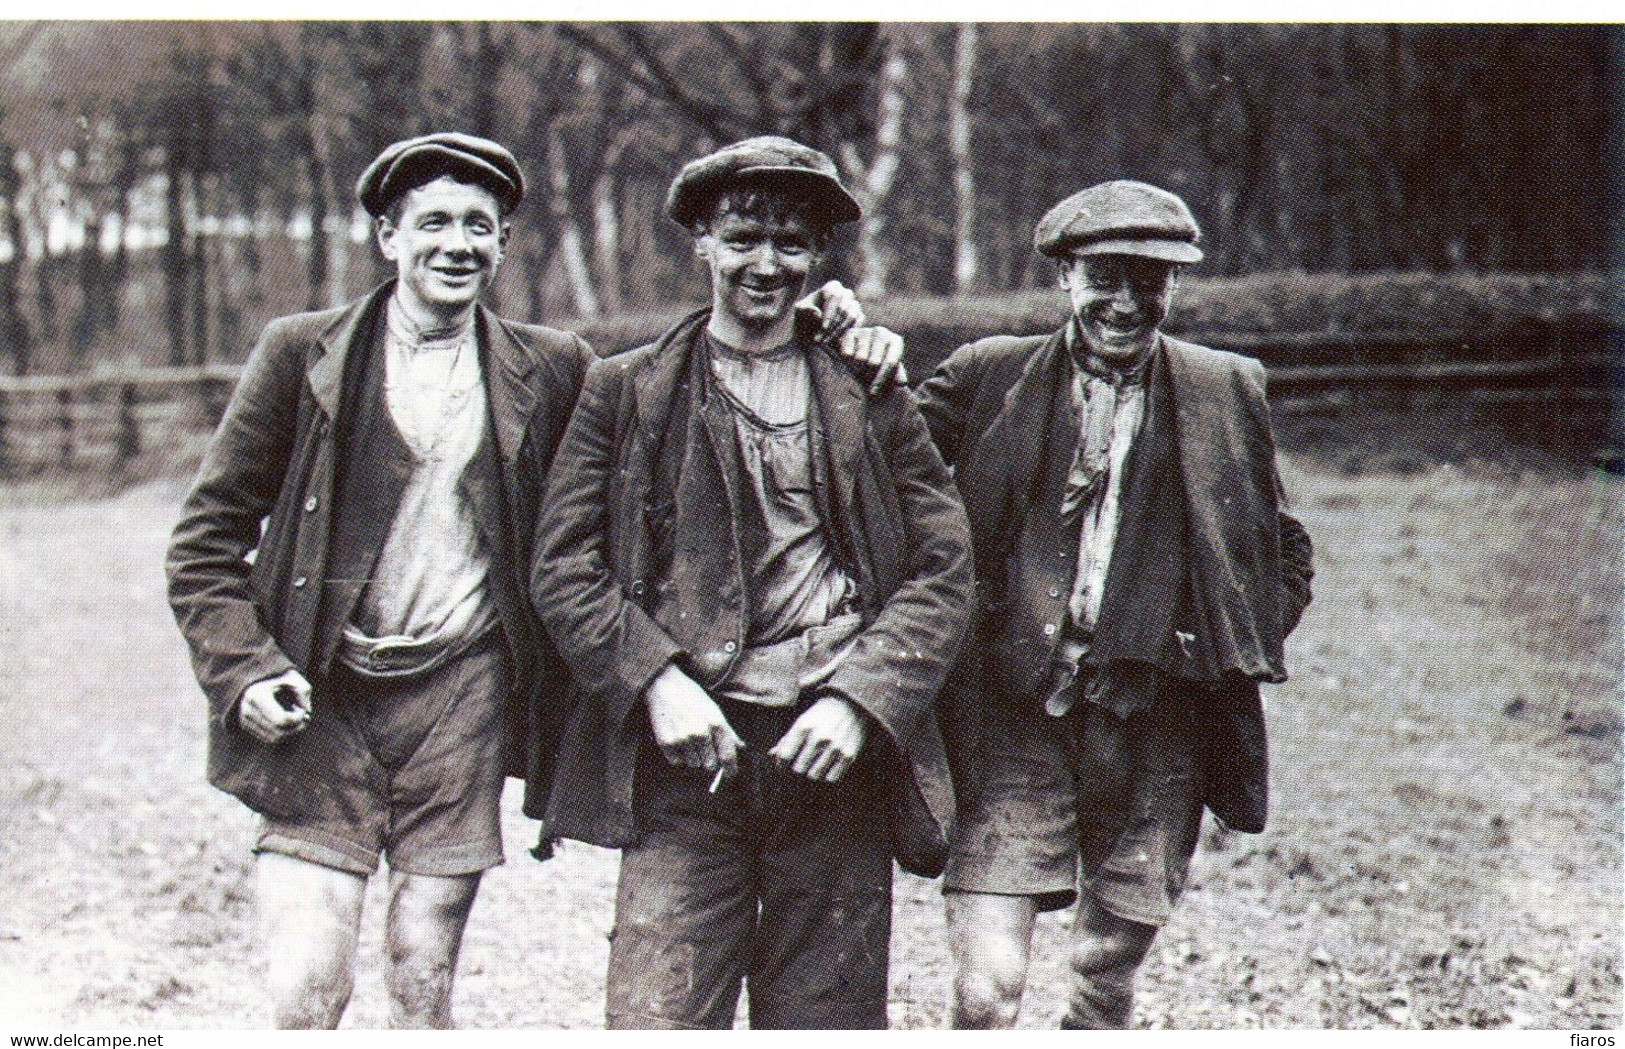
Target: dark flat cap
412, 162
766, 159
1120, 218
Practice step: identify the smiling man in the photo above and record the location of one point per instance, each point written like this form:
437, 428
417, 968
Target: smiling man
761, 576
1137, 578
377, 669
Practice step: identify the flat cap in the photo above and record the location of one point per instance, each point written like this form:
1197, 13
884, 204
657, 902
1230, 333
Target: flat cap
766, 159
1120, 218
412, 162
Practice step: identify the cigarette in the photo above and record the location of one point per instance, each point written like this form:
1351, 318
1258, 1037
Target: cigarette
716, 781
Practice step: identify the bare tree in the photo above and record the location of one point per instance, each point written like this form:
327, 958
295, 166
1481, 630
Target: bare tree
959, 142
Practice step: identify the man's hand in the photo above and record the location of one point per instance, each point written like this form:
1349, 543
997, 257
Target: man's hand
688, 725
876, 349
837, 308
275, 708
824, 741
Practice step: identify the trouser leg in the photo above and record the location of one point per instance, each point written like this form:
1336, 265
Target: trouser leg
823, 940
685, 909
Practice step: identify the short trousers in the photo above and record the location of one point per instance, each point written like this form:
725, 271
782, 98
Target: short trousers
772, 881
421, 783
1113, 808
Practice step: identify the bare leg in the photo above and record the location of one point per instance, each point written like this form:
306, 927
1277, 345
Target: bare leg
425, 933
1106, 952
309, 919
990, 936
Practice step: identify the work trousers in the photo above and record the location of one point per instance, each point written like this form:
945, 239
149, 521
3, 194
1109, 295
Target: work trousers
772, 880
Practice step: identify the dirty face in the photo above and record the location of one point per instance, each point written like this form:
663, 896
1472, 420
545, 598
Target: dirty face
445, 239
759, 265
1120, 301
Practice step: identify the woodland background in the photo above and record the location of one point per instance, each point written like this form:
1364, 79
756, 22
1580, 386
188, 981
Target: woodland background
167, 187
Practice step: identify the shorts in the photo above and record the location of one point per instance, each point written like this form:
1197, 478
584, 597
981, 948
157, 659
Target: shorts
1088, 801
422, 773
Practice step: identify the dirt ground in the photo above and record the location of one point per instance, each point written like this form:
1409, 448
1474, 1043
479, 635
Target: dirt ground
1444, 847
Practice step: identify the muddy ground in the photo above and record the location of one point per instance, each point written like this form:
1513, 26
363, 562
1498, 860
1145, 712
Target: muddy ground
1444, 847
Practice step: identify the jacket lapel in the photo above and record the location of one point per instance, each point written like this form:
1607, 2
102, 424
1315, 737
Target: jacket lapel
656, 383
326, 373
512, 395
841, 423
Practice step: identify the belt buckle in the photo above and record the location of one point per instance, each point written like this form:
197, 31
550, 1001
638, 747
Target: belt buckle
379, 659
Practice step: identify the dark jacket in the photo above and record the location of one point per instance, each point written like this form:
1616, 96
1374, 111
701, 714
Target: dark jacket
1208, 573
274, 460
637, 565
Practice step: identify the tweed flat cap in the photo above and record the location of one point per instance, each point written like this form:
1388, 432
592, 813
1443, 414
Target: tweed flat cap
1120, 218
412, 162
767, 159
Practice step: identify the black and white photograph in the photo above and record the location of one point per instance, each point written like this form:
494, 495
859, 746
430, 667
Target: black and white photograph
811, 525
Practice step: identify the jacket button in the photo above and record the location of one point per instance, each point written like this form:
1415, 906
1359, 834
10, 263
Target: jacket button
637, 588
1049, 629
301, 581
1055, 591
310, 505
730, 646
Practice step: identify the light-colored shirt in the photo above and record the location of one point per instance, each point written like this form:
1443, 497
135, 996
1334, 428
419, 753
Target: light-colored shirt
795, 581
1113, 406
430, 579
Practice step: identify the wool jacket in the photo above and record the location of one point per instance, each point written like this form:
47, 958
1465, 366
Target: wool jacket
638, 565
278, 460
1208, 573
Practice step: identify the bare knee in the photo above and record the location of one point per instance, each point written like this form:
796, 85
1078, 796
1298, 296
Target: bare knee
988, 988
425, 932
309, 917
313, 999
1106, 953
990, 935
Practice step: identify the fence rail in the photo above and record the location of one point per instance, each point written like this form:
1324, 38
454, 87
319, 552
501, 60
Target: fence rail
107, 419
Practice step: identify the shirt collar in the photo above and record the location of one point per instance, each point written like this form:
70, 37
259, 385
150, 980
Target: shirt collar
1093, 365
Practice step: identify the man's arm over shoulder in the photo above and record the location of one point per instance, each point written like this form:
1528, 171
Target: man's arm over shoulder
900, 661
236, 487
948, 396
613, 645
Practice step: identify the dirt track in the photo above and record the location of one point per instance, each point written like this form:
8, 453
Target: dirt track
1445, 845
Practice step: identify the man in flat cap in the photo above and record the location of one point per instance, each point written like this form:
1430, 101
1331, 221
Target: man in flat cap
760, 576
377, 669
1137, 576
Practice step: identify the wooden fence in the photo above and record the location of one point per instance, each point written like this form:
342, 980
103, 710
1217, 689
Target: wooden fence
106, 420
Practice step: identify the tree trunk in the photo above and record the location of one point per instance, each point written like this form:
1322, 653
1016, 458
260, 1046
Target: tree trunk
317, 296
92, 293
572, 249
965, 263
873, 183
200, 274
14, 334
173, 256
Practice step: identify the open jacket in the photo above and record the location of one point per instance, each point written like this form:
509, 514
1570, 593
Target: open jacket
273, 462
638, 565
1208, 573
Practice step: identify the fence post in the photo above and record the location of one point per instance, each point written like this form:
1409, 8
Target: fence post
129, 431
64, 404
